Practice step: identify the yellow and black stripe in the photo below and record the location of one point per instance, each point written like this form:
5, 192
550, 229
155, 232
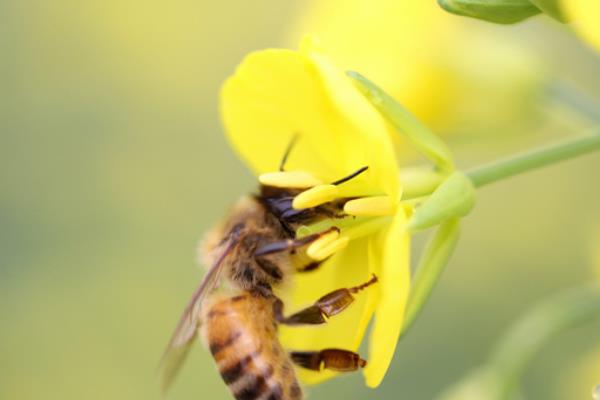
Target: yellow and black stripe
242, 337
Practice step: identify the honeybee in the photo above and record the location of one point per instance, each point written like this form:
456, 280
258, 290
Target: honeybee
254, 250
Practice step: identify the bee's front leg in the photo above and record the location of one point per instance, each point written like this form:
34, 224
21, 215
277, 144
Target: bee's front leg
290, 244
327, 306
262, 253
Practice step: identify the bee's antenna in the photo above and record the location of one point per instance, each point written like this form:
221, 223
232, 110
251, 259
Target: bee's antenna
288, 151
351, 176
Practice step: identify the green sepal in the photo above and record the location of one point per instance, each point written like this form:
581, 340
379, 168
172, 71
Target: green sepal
433, 261
455, 197
498, 11
419, 181
426, 142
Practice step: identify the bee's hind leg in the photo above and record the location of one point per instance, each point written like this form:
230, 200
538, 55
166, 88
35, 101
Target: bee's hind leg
327, 306
332, 359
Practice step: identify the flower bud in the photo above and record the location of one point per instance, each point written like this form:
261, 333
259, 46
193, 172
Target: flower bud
498, 11
455, 197
551, 8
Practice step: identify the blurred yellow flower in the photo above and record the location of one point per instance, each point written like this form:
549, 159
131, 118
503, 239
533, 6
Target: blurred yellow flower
276, 95
585, 15
582, 381
438, 66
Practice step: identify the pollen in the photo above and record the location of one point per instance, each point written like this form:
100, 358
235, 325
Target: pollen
315, 196
289, 179
329, 249
318, 245
370, 206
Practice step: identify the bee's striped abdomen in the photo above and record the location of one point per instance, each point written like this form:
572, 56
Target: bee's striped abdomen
242, 337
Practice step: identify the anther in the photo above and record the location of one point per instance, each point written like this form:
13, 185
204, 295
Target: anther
330, 249
370, 206
315, 196
289, 179
318, 245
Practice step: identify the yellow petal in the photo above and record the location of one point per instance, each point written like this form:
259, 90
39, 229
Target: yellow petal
273, 96
367, 140
347, 268
586, 18
276, 95
394, 288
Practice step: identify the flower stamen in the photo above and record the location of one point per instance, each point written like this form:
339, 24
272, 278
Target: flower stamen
318, 245
365, 227
289, 179
315, 196
328, 249
320, 194
376, 206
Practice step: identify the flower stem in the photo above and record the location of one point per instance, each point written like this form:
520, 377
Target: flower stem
576, 100
500, 377
531, 333
526, 162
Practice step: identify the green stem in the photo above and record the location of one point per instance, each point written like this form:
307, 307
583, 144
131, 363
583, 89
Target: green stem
500, 377
535, 159
538, 327
576, 100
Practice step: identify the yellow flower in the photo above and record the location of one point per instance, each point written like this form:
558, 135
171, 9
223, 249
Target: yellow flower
437, 65
276, 95
585, 15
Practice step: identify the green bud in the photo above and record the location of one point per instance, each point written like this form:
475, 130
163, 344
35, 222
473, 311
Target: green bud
435, 257
429, 144
551, 8
498, 11
455, 197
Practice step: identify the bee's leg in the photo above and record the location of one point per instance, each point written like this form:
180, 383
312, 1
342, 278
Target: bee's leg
333, 359
290, 244
269, 267
327, 306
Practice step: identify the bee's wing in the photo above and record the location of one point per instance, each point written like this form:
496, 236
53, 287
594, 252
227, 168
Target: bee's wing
185, 332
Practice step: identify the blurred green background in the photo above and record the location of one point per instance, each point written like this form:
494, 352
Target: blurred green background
114, 163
